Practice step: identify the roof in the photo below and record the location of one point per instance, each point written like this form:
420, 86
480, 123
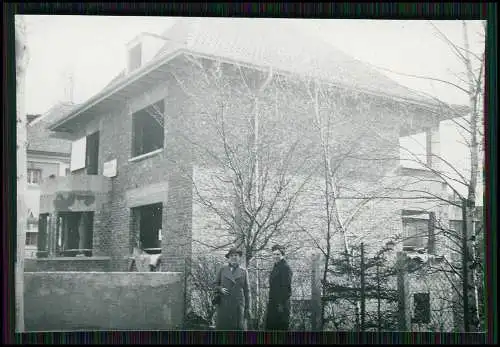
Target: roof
39, 138
260, 42
287, 46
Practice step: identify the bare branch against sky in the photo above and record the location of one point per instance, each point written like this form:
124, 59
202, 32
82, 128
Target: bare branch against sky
92, 49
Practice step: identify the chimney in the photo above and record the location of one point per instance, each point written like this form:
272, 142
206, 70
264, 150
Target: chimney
142, 49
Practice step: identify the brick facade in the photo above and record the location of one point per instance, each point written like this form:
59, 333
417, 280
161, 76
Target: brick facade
370, 124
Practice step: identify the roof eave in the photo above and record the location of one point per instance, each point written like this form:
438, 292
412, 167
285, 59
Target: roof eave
160, 60
107, 92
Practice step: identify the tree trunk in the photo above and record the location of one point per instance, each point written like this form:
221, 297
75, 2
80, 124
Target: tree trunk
471, 194
330, 196
21, 173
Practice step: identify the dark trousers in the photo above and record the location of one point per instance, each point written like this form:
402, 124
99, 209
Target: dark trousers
277, 320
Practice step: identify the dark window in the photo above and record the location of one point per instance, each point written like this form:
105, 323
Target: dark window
135, 58
419, 230
34, 176
67, 171
148, 129
31, 239
74, 233
42, 245
92, 153
415, 232
422, 308
146, 227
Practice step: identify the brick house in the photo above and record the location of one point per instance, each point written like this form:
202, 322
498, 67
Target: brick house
129, 190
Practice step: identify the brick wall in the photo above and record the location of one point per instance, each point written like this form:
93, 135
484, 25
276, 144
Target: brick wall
368, 123
102, 301
156, 171
439, 285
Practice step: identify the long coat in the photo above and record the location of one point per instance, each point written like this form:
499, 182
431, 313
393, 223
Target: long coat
280, 290
234, 307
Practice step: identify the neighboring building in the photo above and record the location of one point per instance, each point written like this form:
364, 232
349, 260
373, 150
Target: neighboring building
134, 142
46, 157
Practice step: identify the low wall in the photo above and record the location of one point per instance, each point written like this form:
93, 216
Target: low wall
103, 300
84, 264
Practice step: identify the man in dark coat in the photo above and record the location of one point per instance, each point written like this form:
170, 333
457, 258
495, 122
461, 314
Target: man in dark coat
232, 287
280, 290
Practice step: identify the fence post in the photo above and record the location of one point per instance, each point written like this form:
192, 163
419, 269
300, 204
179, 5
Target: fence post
402, 291
379, 318
52, 234
362, 293
465, 274
316, 294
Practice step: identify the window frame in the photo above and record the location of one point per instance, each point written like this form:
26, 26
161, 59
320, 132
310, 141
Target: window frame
139, 154
406, 161
29, 176
422, 313
429, 237
136, 216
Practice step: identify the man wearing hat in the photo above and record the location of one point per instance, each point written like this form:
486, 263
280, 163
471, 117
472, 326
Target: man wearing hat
280, 290
233, 293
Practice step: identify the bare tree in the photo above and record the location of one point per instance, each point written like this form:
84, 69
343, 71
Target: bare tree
250, 186
465, 185
245, 181
202, 274
21, 63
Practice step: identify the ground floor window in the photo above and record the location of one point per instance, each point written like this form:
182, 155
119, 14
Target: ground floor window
67, 234
31, 233
74, 233
146, 227
422, 308
31, 239
42, 239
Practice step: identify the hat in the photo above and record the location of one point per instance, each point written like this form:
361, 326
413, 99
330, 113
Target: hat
234, 250
279, 248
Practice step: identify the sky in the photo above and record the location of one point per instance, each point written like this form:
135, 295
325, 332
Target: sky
92, 49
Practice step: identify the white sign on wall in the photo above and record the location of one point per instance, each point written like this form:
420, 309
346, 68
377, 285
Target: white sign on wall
78, 149
109, 168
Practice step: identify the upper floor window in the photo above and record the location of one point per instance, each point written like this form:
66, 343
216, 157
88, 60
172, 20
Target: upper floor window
85, 154
34, 176
414, 151
148, 129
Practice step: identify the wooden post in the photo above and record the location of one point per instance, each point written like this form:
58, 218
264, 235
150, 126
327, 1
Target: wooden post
379, 323
363, 292
316, 294
402, 291
465, 274
51, 234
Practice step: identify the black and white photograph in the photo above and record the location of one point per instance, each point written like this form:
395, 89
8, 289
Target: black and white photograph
250, 174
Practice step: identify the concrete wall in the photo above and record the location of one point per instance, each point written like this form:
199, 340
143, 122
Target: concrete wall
109, 301
99, 264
